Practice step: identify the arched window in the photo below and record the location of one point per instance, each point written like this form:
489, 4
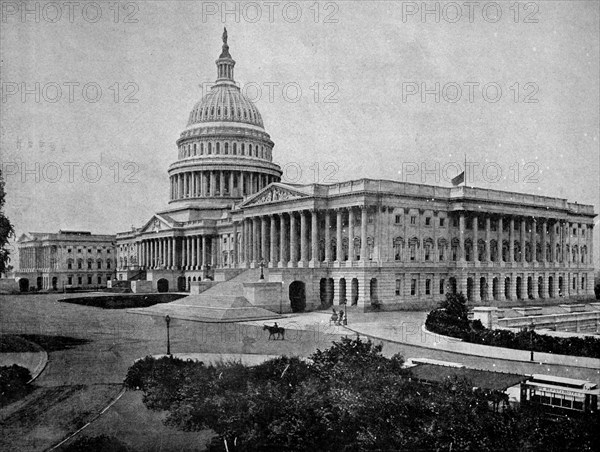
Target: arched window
481, 250
243, 149
468, 250
107, 263
250, 150
69, 264
99, 263
218, 148
226, 111
234, 148
212, 111
201, 148
209, 148
194, 148
427, 248
226, 148
455, 249
413, 245
442, 245
219, 111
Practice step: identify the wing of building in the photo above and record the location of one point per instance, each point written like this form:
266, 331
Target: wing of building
67, 259
372, 243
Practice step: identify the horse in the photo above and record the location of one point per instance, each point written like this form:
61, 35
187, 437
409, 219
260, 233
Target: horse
275, 330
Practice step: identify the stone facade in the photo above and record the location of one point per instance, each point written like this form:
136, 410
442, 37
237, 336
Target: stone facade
67, 259
372, 243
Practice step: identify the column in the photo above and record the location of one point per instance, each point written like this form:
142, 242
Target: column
534, 242
314, 237
476, 288
235, 254
475, 240
204, 251
534, 286
461, 237
273, 245
489, 293
282, 248
231, 183
553, 256
544, 242
222, 183
293, 241
173, 252
303, 238
188, 253
363, 233
511, 238
338, 236
522, 239
328, 236
500, 239
350, 234
255, 243
513, 286
488, 250
545, 285
264, 252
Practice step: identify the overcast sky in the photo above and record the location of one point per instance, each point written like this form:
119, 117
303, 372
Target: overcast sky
346, 98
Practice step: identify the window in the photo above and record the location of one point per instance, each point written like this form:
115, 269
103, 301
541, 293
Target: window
397, 220
108, 251
89, 250
99, 280
79, 280
99, 264
455, 222
89, 265
442, 222
413, 220
398, 286
99, 251
70, 264
427, 221
79, 250
70, 280
428, 287
79, 264
107, 263
89, 279
442, 284
69, 250
413, 286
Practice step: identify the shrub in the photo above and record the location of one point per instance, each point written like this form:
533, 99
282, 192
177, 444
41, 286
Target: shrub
101, 443
13, 383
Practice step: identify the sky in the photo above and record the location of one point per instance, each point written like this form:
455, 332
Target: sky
94, 96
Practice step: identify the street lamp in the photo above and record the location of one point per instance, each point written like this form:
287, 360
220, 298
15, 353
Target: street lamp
531, 328
262, 266
168, 321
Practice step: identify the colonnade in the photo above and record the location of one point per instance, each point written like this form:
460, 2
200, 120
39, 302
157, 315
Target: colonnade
186, 253
296, 239
195, 184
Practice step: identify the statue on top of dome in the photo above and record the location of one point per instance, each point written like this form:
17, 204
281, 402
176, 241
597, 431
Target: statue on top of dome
225, 35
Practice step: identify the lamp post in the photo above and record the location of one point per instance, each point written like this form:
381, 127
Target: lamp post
262, 266
168, 321
531, 328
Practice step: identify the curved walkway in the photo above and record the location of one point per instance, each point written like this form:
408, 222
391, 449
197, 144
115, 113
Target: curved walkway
35, 362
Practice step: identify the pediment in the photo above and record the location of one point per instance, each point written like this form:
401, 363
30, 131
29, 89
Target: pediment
274, 193
156, 224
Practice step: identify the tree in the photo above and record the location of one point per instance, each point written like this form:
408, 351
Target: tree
6, 231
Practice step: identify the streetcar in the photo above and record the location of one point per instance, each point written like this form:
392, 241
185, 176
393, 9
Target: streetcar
561, 395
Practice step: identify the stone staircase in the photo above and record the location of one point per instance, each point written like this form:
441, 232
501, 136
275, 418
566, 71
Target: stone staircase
223, 302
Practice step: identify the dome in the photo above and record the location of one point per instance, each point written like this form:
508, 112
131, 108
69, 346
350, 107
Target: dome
225, 102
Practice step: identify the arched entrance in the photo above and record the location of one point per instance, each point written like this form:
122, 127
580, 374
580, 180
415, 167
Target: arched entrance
54, 283
495, 289
560, 286
482, 289
519, 288
326, 292
297, 294
452, 285
540, 288
354, 292
373, 291
551, 293
343, 299
181, 284
469, 289
507, 288
529, 287
39, 282
24, 285
162, 285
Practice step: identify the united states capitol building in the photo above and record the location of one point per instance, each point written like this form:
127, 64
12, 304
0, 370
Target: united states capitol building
372, 243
